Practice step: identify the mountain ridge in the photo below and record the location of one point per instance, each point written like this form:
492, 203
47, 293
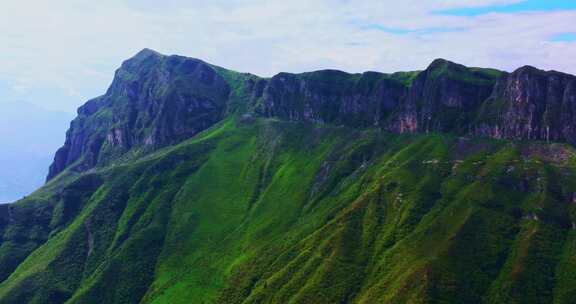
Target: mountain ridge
446, 97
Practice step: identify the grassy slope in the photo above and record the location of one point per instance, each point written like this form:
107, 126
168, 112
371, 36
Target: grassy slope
273, 212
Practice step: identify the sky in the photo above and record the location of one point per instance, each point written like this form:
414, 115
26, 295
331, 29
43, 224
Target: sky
58, 54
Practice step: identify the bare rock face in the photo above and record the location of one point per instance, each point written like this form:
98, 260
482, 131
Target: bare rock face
330, 97
446, 97
443, 98
531, 104
154, 101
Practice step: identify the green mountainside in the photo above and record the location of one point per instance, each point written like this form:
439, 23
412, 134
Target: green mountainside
270, 195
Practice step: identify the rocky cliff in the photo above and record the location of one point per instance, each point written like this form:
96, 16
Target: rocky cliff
154, 101
531, 104
158, 100
440, 99
446, 97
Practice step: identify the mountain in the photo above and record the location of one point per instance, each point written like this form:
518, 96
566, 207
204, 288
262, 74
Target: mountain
155, 101
29, 136
189, 183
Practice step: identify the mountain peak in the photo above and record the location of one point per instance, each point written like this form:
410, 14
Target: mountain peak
527, 69
140, 58
157, 100
146, 52
441, 62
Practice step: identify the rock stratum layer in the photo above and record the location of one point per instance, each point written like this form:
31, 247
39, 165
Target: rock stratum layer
190, 183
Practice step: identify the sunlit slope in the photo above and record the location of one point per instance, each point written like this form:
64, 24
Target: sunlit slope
261, 211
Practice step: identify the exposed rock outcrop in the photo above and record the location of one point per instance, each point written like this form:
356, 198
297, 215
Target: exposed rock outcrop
446, 97
332, 97
443, 98
531, 104
154, 101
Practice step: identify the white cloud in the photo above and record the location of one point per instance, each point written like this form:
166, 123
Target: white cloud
73, 93
74, 46
19, 88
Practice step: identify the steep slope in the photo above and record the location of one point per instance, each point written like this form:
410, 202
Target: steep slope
531, 104
446, 97
154, 101
187, 182
443, 98
272, 212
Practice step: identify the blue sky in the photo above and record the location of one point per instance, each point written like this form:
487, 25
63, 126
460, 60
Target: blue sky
515, 7
564, 37
64, 52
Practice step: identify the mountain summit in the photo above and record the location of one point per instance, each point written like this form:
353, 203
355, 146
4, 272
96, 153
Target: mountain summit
190, 183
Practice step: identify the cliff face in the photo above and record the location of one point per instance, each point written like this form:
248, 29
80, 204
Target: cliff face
154, 101
443, 98
531, 104
331, 97
157, 100
446, 97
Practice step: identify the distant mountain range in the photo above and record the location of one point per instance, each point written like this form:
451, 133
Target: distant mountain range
28, 136
190, 183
